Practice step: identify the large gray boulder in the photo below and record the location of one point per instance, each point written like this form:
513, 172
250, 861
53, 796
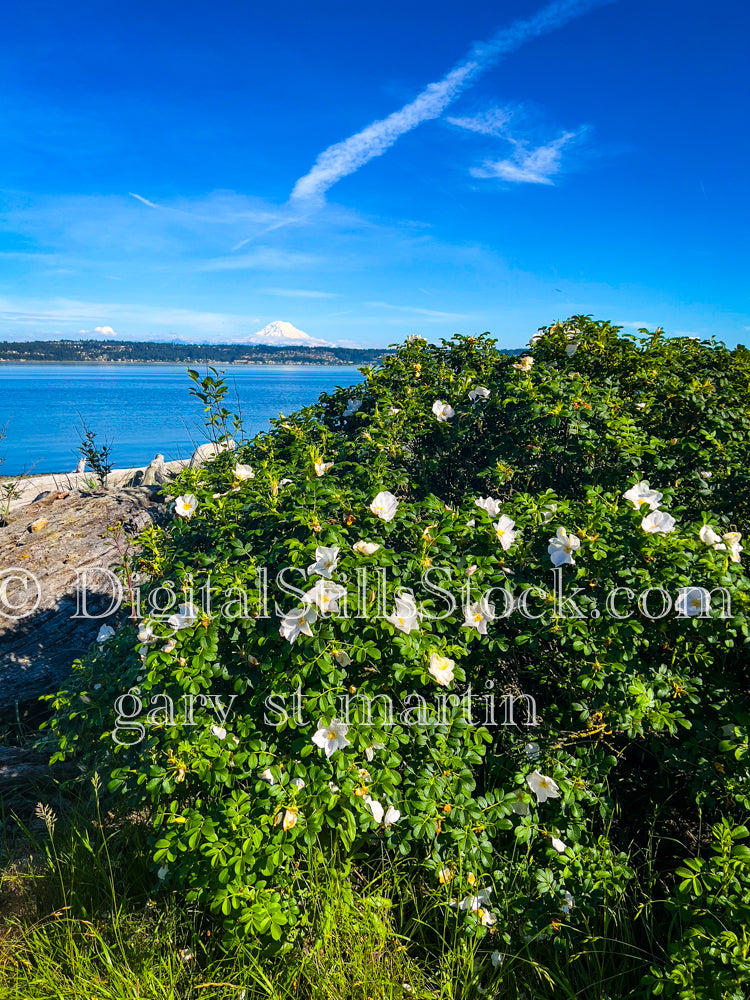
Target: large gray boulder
44, 550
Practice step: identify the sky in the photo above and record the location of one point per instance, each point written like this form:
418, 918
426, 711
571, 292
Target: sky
365, 172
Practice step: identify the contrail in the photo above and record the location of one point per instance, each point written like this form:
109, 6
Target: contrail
141, 198
346, 157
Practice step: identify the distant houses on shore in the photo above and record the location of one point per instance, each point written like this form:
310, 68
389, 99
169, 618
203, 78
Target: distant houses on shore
143, 352
132, 352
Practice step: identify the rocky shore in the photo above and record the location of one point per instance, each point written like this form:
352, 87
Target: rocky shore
54, 528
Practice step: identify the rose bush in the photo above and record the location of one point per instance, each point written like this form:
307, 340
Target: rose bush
547, 495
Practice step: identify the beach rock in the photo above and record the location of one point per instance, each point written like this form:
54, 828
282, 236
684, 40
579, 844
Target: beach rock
204, 452
41, 573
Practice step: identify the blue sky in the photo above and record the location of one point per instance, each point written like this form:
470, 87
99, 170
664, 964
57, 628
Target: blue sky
196, 171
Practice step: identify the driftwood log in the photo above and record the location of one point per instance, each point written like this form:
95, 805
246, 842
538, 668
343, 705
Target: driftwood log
55, 539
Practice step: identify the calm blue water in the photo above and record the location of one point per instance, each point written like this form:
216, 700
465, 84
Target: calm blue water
141, 409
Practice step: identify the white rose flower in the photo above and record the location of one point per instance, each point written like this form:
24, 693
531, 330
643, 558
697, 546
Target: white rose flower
525, 363
243, 472
325, 596
322, 467
104, 633
658, 522
489, 504
219, 732
558, 845
365, 548
352, 406
185, 506
542, 786
384, 506
405, 617
520, 806
562, 547
441, 668
732, 538
505, 533
478, 615
475, 903
297, 622
479, 393
375, 808
708, 536
548, 512
186, 616
392, 815
331, 737
642, 493
443, 411
326, 561
692, 601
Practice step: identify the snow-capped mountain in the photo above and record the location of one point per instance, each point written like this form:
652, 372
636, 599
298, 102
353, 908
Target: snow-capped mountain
279, 333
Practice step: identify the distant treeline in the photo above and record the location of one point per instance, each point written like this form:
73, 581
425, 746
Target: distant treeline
178, 354
128, 351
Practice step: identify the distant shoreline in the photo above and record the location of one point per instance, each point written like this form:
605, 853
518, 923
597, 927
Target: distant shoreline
129, 352
126, 362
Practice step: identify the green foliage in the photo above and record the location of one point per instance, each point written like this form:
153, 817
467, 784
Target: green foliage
98, 456
632, 708
212, 391
709, 948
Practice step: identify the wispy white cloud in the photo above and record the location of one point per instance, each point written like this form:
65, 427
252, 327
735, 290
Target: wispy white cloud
142, 199
28, 318
344, 158
529, 166
262, 258
493, 121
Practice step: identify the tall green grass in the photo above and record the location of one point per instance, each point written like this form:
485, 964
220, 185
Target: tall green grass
77, 921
